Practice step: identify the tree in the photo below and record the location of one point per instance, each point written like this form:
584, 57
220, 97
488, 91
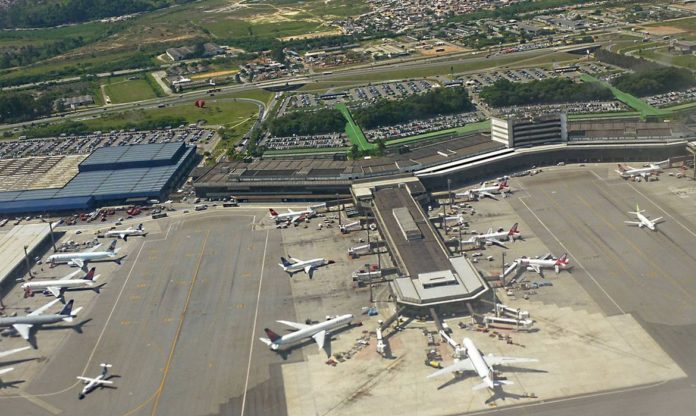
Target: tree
354, 152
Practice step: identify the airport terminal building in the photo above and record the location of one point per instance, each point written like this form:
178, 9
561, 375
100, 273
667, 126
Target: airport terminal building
108, 176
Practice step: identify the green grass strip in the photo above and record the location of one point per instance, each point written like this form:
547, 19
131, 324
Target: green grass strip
354, 132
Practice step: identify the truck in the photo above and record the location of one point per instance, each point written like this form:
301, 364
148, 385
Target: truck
159, 215
357, 251
353, 226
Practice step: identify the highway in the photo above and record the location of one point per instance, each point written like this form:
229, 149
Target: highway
188, 97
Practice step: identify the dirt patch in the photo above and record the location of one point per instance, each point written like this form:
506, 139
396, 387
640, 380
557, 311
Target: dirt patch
443, 50
214, 74
662, 30
313, 35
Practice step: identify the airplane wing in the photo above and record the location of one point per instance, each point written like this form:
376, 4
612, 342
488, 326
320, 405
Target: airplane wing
91, 249
638, 223
94, 380
44, 308
656, 220
73, 274
78, 262
309, 270
5, 371
496, 242
295, 325
463, 365
319, 338
497, 360
122, 235
487, 195
295, 218
55, 291
6, 353
536, 268
23, 330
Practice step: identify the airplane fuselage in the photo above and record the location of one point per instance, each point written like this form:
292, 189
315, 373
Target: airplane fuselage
543, 263
300, 266
480, 365
312, 330
127, 233
32, 320
64, 284
69, 257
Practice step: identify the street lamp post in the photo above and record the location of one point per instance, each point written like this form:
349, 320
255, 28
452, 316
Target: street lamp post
26, 260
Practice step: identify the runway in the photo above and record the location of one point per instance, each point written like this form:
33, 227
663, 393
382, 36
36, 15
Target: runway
177, 323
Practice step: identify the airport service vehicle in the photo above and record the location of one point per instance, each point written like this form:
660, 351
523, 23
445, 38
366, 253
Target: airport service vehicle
317, 332
8, 353
627, 172
294, 265
482, 365
24, 324
454, 220
57, 287
80, 259
492, 237
485, 191
643, 221
353, 226
546, 262
93, 383
124, 234
291, 216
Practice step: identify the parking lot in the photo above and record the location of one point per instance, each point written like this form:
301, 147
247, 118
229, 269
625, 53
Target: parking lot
85, 144
319, 141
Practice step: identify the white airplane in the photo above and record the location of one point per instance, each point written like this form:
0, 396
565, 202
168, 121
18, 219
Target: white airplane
291, 216
643, 221
626, 171
93, 383
128, 232
7, 353
294, 265
492, 237
482, 365
485, 191
82, 258
57, 287
317, 331
23, 324
546, 262
454, 220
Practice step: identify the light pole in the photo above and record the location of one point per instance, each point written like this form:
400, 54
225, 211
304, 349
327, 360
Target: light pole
53, 238
338, 207
449, 193
26, 260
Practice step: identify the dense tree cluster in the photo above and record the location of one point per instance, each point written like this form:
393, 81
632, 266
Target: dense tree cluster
440, 101
77, 127
504, 93
625, 61
31, 13
22, 106
655, 81
304, 123
28, 54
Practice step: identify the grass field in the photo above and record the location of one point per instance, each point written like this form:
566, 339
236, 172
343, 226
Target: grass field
217, 113
355, 134
123, 90
472, 127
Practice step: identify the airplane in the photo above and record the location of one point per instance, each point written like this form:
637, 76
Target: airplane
82, 258
643, 221
291, 216
124, 234
494, 237
547, 262
485, 191
294, 265
317, 331
93, 383
7, 353
626, 171
57, 287
482, 365
23, 324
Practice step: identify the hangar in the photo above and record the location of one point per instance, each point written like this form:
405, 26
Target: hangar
110, 175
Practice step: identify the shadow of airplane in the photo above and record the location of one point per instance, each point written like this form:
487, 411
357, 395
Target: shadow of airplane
10, 384
499, 393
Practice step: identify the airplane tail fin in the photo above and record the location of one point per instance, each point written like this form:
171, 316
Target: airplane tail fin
105, 367
125, 238
140, 226
67, 309
285, 262
513, 230
621, 168
273, 212
90, 274
503, 185
112, 246
563, 260
272, 336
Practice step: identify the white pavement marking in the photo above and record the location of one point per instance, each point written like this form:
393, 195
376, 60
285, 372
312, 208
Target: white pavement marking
688, 230
572, 255
42, 404
253, 328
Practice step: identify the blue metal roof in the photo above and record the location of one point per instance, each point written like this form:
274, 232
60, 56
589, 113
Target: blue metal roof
103, 185
133, 156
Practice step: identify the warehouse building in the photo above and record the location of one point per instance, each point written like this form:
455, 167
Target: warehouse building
109, 176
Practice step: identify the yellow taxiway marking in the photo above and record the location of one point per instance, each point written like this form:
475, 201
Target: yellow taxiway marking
41, 403
182, 316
